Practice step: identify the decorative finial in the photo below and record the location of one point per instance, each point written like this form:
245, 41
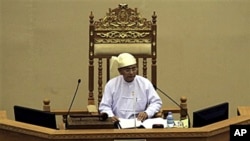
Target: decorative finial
123, 5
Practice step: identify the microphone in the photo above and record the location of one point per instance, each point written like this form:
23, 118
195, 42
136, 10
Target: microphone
101, 116
78, 83
185, 110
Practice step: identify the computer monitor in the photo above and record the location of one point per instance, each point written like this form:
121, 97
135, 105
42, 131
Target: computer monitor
34, 116
210, 115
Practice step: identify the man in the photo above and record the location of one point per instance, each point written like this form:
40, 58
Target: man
129, 95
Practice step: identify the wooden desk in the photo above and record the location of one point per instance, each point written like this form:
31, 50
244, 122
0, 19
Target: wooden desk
11, 130
243, 110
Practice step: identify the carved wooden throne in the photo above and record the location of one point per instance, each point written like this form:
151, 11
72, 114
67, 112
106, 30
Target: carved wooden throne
122, 29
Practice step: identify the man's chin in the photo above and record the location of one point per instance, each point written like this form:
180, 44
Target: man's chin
130, 79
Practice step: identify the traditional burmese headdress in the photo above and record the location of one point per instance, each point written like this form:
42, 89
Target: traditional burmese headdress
123, 60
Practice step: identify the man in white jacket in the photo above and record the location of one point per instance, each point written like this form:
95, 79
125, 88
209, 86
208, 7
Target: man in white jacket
129, 95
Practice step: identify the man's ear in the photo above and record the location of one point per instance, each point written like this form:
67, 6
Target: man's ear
120, 71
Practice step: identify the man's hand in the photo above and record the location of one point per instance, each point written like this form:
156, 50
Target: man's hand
142, 116
114, 119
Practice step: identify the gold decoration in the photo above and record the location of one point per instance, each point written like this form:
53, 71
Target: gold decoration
123, 17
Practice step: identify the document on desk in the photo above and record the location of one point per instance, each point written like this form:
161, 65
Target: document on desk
129, 123
135, 123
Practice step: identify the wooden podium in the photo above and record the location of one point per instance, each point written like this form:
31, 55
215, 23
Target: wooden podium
243, 110
11, 130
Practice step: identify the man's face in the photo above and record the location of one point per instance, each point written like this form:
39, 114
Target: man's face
128, 72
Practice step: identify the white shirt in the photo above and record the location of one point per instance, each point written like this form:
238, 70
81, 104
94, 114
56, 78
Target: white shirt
124, 99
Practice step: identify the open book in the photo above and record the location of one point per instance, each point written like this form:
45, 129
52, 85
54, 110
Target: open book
148, 123
134, 123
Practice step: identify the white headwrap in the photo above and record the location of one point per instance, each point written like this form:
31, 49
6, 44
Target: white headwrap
123, 60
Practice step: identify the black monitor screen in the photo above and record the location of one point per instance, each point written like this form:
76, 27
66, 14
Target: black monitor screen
36, 117
210, 115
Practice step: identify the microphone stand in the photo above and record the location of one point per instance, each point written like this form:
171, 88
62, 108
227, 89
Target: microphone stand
66, 116
189, 124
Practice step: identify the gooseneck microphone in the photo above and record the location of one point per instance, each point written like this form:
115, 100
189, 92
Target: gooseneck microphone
156, 88
79, 81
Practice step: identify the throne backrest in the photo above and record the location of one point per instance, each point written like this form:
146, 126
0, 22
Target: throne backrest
122, 29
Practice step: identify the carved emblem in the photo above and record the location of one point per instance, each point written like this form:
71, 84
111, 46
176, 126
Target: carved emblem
123, 17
